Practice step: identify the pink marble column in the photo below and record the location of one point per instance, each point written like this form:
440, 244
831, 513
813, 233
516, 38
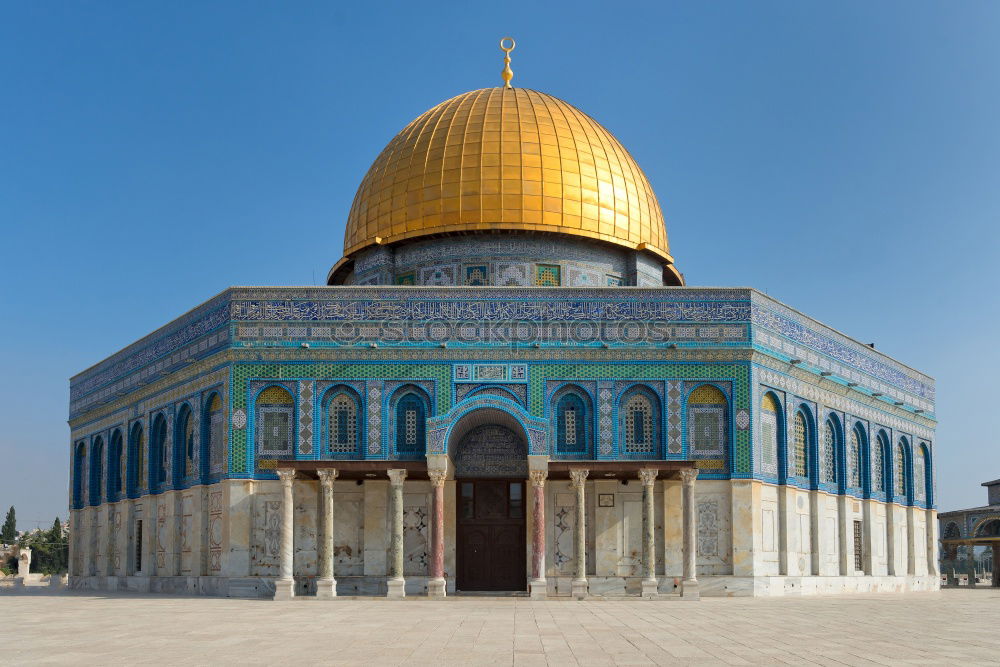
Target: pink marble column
537, 588
437, 586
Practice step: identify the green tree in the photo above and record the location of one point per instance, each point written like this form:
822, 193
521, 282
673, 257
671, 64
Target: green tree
8, 534
49, 549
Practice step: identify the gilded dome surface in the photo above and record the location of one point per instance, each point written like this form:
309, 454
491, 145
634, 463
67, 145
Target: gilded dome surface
506, 159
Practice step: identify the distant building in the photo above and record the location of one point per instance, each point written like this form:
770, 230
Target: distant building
504, 386
965, 531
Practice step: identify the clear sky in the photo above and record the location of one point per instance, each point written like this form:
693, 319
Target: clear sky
842, 156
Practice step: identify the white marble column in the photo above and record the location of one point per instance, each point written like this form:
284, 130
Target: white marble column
396, 584
284, 585
579, 480
689, 584
437, 586
538, 587
649, 584
326, 585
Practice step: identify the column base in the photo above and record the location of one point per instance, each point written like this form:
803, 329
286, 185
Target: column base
538, 589
650, 589
326, 589
284, 589
581, 589
396, 589
437, 588
689, 590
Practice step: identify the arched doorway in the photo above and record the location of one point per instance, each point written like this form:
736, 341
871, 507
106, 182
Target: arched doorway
490, 456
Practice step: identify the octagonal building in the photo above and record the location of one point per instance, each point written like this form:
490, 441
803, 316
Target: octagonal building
505, 386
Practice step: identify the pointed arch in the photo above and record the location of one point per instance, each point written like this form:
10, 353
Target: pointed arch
79, 473
573, 411
856, 445
830, 447
213, 436
158, 463
274, 423
707, 421
880, 463
410, 406
136, 478
772, 428
922, 477
802, 439
902, 480
342, 423
116, 467
96, 471
184, 444
639, 423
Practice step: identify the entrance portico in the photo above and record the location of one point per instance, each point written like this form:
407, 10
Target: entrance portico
494, 514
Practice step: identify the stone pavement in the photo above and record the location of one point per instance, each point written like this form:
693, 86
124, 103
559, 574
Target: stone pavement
951, 627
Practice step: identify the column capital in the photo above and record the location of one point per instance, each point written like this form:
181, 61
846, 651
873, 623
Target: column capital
688, 475
578, 477
538, 477
286, 475
396, 476
327, 475
648, 476
437, 477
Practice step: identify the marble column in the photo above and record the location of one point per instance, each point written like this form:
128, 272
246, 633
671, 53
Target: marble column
538, 586
284, 585
689, 584
579, 480
970, 562
437, 586
326, 585
649, 584
396, 584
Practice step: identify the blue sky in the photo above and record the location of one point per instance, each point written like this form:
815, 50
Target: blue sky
844, 157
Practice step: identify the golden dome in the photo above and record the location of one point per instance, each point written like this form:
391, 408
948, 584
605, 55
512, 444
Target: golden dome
506, 159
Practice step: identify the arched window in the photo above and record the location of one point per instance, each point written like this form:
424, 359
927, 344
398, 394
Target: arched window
828, 454
116, 467
919, 475
573, 416
706, 422
900, 486
274, 423
800, 446
879, 459
158, 464
342, 427
137, 458
639, 416
854, 458
79, 472
770, 432
411, 415
185, 442
96, 471
214, 431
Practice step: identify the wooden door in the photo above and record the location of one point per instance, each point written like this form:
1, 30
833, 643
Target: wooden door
490, 535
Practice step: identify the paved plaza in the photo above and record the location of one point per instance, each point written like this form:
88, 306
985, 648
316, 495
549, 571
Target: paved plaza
947, 627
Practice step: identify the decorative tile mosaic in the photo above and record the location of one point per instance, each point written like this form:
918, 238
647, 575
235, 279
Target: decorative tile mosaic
476, 275
547, 275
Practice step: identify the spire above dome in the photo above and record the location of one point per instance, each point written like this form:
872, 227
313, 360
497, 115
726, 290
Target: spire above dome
506, 160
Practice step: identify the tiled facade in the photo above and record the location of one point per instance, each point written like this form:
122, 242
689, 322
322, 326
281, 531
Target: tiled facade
706, 357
